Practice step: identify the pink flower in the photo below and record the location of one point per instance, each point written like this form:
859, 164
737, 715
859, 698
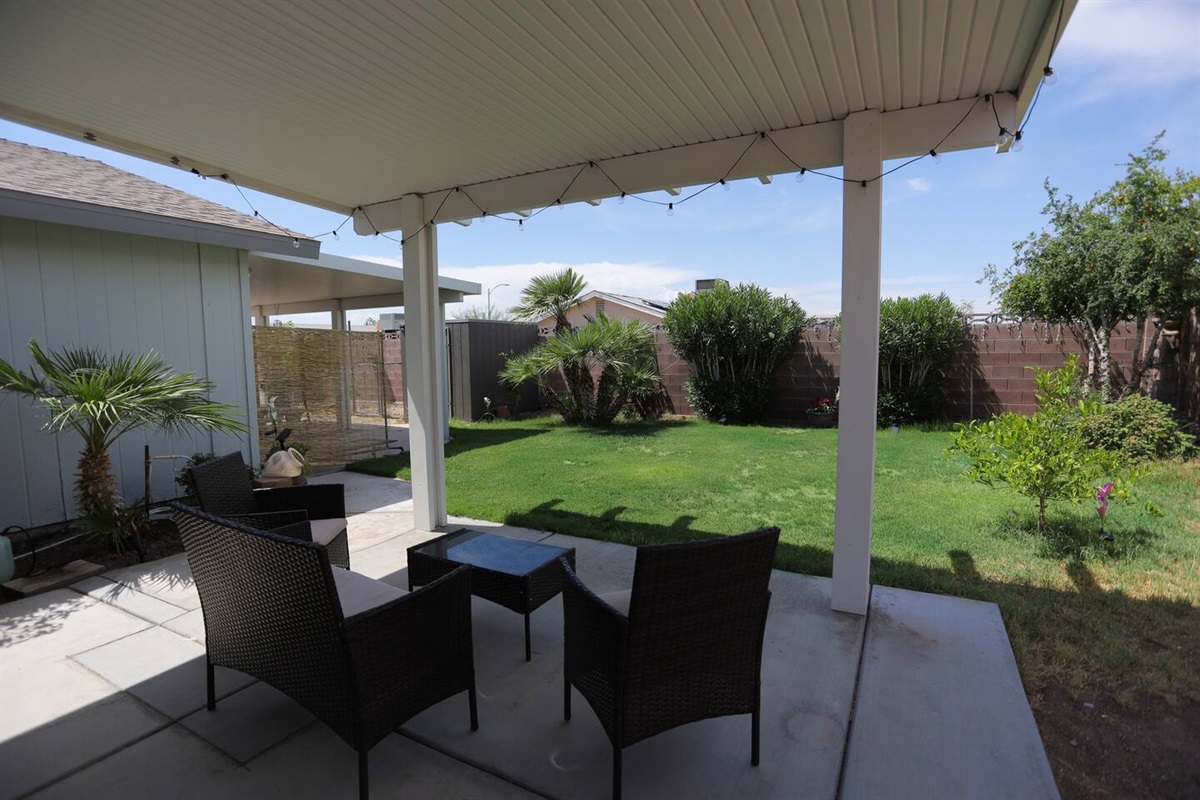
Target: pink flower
1102, 498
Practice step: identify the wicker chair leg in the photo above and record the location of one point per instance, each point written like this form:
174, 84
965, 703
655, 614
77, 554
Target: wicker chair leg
474, 708
754, 724
566, 700
616, 793
212, 685
364, 777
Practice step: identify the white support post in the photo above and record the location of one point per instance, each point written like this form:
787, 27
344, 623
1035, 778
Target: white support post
424, 345
337, 316
260, 317
862, 236
445, 367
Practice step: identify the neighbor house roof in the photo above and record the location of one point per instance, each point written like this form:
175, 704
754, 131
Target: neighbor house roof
51, 186
654, 307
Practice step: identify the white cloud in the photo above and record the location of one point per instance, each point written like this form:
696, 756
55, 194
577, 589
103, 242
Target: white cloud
918, 185
1131, 46
650, 280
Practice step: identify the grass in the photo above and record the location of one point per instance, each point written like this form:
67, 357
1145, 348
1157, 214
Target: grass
1121, 617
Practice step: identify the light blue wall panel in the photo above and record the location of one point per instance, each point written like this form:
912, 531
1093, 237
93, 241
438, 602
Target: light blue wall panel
72, 286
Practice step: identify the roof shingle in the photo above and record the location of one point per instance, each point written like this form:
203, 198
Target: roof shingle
50, 173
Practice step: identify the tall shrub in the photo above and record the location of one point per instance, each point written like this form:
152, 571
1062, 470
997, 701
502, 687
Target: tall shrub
918, 337
735, 338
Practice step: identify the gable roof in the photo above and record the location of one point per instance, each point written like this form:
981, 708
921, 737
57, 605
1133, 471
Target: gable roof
653, 307
53, 186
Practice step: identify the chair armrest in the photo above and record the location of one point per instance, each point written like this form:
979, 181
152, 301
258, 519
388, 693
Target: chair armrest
593, 636
320, 500
271, 520
413, 651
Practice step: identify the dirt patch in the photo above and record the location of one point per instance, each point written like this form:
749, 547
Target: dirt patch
160, 541
1141, 748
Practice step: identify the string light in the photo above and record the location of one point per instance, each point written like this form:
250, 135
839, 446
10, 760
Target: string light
1048, 76
1018, 145
1002, 138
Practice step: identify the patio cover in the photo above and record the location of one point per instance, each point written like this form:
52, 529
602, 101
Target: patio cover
408, 114
284, 284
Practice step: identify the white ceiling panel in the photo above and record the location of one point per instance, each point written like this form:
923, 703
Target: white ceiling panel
358, 103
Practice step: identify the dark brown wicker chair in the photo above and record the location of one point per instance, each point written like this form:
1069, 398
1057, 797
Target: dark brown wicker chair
223, 488
361, 655
685, 644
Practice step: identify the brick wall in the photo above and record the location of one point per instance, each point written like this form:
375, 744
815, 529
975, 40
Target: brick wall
990, 374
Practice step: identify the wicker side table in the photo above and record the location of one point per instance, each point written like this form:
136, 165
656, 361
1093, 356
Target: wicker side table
518, 575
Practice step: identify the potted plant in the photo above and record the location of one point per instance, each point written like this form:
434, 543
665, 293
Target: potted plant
822, 412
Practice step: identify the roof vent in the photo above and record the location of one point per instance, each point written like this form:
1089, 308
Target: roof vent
710, 283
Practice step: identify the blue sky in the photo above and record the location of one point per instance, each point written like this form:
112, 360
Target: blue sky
1126, 70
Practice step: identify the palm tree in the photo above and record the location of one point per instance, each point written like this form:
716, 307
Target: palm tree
101, 396
554, 294
603, 366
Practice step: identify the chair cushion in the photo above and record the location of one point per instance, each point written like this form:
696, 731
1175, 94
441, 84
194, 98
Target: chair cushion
618, 600
358, 593
325, 531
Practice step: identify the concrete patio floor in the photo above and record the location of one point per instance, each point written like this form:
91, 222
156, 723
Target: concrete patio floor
102, 695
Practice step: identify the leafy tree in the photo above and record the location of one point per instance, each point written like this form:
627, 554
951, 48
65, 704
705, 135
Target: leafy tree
1129, 253
735, 338
551, 295
918, 337
592, 373
482, 312
1045, 456
101, 396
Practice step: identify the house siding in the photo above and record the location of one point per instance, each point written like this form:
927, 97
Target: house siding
69, 286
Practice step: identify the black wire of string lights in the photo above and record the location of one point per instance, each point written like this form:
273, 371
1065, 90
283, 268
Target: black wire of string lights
1002, 138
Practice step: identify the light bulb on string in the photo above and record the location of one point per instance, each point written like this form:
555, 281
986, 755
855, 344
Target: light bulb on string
336, 238
483, 218
936, 156
1048, 76
1017, 145
800, 175
296, 243
670, 209
621, 199
724, 185
1002, 137
559, 203
521, 225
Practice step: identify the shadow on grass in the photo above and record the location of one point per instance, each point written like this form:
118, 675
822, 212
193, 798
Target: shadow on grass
1076, 538
636, 429
465, 440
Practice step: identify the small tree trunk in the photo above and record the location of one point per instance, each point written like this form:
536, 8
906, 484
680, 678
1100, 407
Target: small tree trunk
1041, 523
1142, 362
1105, 365
96, 488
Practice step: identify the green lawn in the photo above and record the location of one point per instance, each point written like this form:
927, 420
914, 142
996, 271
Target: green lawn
1081, 614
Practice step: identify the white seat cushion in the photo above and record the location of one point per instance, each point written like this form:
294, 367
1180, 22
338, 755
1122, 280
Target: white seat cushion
325, 531
357, 593
618, 600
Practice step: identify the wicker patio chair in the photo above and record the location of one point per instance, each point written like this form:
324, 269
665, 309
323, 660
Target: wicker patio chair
223, 488
360, 654
684, 644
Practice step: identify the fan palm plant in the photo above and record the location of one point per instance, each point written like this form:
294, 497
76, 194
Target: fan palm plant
102, 396
601, 367
551, 295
